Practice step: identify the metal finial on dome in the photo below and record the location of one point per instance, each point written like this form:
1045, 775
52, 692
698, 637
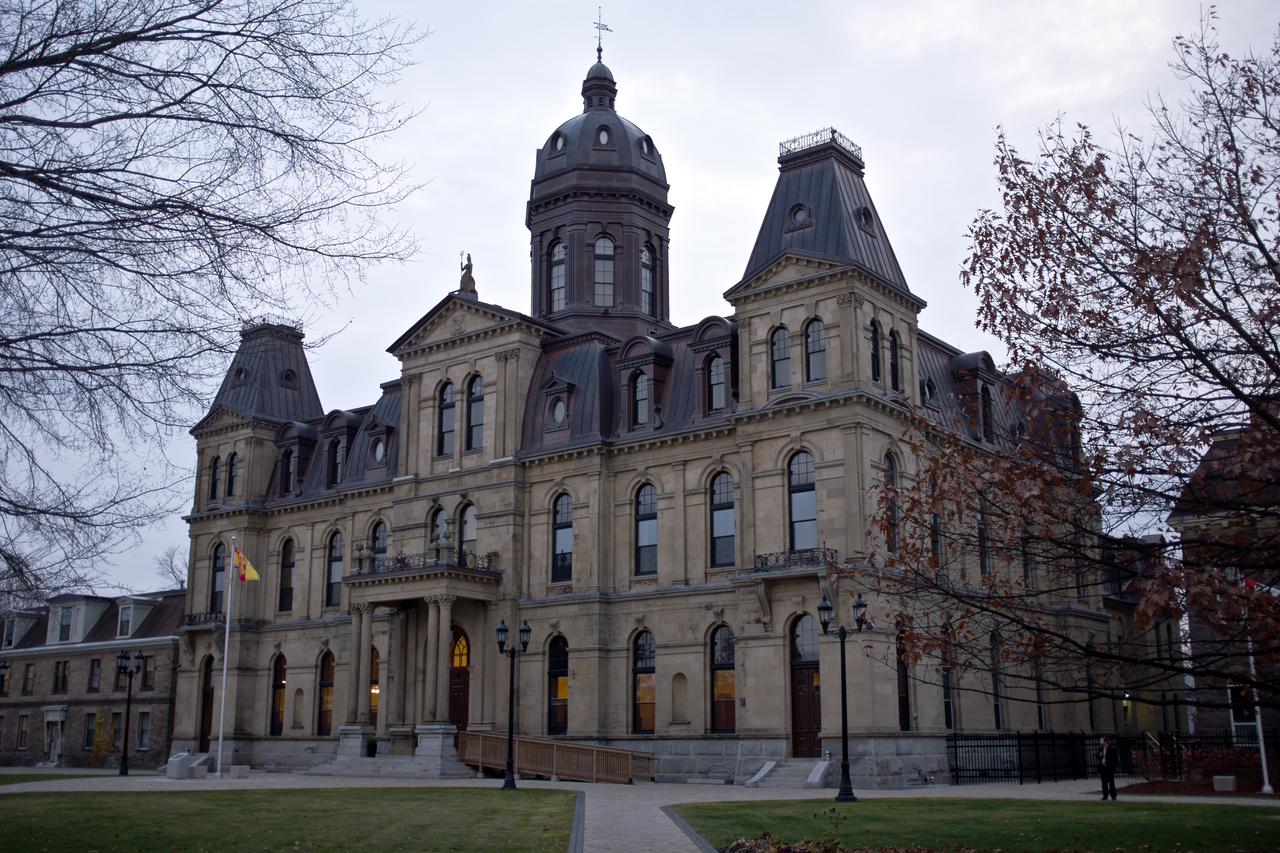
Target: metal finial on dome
601, 29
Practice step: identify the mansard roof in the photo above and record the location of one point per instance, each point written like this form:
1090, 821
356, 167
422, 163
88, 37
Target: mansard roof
269, 377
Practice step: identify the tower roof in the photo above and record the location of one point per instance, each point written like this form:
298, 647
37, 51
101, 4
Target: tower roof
269, 376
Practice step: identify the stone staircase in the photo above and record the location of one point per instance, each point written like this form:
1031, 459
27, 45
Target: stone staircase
792, 773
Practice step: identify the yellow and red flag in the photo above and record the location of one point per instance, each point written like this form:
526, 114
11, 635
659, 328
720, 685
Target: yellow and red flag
244, 567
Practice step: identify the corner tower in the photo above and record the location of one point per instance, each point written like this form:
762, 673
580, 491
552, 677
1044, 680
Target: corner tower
598, 219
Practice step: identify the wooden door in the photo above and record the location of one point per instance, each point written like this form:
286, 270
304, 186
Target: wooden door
206, 706
806, 712
460, 680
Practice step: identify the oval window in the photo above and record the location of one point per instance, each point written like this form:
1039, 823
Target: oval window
379, 451
644, 145
604, 136
559, 143
800, 215
558, 411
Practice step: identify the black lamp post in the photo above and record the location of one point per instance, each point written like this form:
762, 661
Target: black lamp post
509, 784
122, 666
825, 611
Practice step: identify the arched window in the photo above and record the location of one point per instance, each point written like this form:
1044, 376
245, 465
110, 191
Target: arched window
780, 359
984, 547
324, 722
215, 477
375, 672
988, 421
460, 651
444, 430
562, 540
378, 545
875, 351
647, 304
333, 588
643, 684
467, 542
815, 352
286, 473
804, 640
715, 384
475, 413
647, 530
604, 252
904, 684
722, 521
557, 277
558, 687
277, 696
233, 465
891, 488
218, 578
286, 576
639, 400
894, 374
724, 694
335, 462
803, 500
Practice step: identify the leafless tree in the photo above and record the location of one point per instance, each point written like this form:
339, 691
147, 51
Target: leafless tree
171, 566
168, 168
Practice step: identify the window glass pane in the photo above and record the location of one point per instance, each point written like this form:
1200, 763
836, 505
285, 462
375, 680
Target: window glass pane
557, 277
444, 443
801, 470
781, 358
815, 344
715, 384
722, 523
604, 272
723, 685
722, 647
640, 400
722, 490
804, 639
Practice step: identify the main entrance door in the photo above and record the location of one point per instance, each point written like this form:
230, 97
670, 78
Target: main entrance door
460, 680
206, 705
806, 693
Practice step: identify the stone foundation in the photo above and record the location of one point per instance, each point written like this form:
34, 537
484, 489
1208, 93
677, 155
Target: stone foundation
891, 760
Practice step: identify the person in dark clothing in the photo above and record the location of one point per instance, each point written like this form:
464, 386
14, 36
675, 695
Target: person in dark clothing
1108, 758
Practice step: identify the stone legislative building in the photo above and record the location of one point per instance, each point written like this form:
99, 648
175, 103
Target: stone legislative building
659, 502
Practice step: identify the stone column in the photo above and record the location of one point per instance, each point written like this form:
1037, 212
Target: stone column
394, 678
442, 657
366, 666
488, 676
353, 672
429, 663
410, 684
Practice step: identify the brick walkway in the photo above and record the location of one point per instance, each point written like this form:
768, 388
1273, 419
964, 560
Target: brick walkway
619, 818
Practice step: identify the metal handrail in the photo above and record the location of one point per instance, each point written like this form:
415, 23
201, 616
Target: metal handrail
209, 617
429, 560
819, 137
802, 557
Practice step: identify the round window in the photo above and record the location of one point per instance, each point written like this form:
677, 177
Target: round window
644, 145
799, 215
559, 143
558, 411
604, 136
379, 451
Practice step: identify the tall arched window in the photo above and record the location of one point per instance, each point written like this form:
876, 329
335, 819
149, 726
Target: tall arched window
639, 400
375, 676
804, 640
562, 539
647, 530
803, 500
558, 687
722, 521
557, 277
780, 359
467, 542
894, 377
648, 305
815, 352
333, 587
875, 351
724, 694
904, 684
324, 721
215, 477
891, 488
604, 252
335, 462
277, 696
218, 578
286, 473
988, 421
643, 684
715, 384
444, 430
475, 413
233, 465
286, 576
378, 544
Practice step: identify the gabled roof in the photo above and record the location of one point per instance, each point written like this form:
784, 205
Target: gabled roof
498, 313
269, 377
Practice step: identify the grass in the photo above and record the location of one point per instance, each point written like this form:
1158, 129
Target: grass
1011, 826
19, 778
368, 819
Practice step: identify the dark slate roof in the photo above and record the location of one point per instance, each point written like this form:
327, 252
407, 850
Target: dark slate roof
269, 377
841, 223
36, 634
1239, 473
165, 618
584, 363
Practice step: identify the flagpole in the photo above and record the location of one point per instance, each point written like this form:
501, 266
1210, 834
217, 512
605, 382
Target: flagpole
226, 650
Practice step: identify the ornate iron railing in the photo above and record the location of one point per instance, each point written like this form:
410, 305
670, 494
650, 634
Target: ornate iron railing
819, 137
429, 560
199, 620
794, 559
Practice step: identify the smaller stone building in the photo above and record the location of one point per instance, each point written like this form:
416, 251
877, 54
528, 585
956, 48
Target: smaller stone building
62, 669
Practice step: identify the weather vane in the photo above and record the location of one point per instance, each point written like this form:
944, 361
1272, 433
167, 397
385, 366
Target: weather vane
601, 29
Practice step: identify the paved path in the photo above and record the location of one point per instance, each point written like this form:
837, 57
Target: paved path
619, 818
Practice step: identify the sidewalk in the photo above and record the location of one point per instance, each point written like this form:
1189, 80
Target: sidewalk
619, 818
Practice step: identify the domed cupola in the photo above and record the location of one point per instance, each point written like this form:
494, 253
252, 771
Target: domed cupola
599, 217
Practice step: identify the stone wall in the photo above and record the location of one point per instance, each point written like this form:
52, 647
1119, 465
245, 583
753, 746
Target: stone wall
881, 761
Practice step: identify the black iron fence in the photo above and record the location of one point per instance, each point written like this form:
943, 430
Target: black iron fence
433, 559
200, 620
1019, 757
782, 560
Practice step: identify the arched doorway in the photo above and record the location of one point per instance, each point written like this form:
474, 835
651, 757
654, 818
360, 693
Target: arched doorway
206, 705
806, 694
459, 679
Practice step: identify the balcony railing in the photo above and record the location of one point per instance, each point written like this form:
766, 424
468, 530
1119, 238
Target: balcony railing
202, 620
429, 560
819, 137
783, 560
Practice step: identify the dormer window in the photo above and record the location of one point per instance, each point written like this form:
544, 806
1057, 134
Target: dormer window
602, 136
286, 473
64, 627
379, 451
559, 411
559, 143
988, 421
715, 384
126, 621
335, 463
604, 256
639, 400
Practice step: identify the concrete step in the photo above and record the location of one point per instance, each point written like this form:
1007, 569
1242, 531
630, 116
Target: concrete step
792, 774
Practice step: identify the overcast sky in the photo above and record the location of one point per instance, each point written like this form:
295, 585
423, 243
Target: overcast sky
921, 86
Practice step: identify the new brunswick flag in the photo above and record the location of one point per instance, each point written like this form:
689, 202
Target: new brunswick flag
244, 567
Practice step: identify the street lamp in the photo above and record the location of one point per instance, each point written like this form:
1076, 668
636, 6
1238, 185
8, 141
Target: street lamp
509, 784
825, 611
122, 666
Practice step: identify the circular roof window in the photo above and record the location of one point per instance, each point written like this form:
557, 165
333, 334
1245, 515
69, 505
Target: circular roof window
799, 216
603, 136
645, 146
379, 451
558, 411
559, 142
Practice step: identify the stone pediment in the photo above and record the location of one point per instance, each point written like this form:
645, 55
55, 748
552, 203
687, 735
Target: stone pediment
456, 317
787, 267
217, 419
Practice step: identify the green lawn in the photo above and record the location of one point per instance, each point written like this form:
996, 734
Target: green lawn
1006, 825
19, 778
365, 819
